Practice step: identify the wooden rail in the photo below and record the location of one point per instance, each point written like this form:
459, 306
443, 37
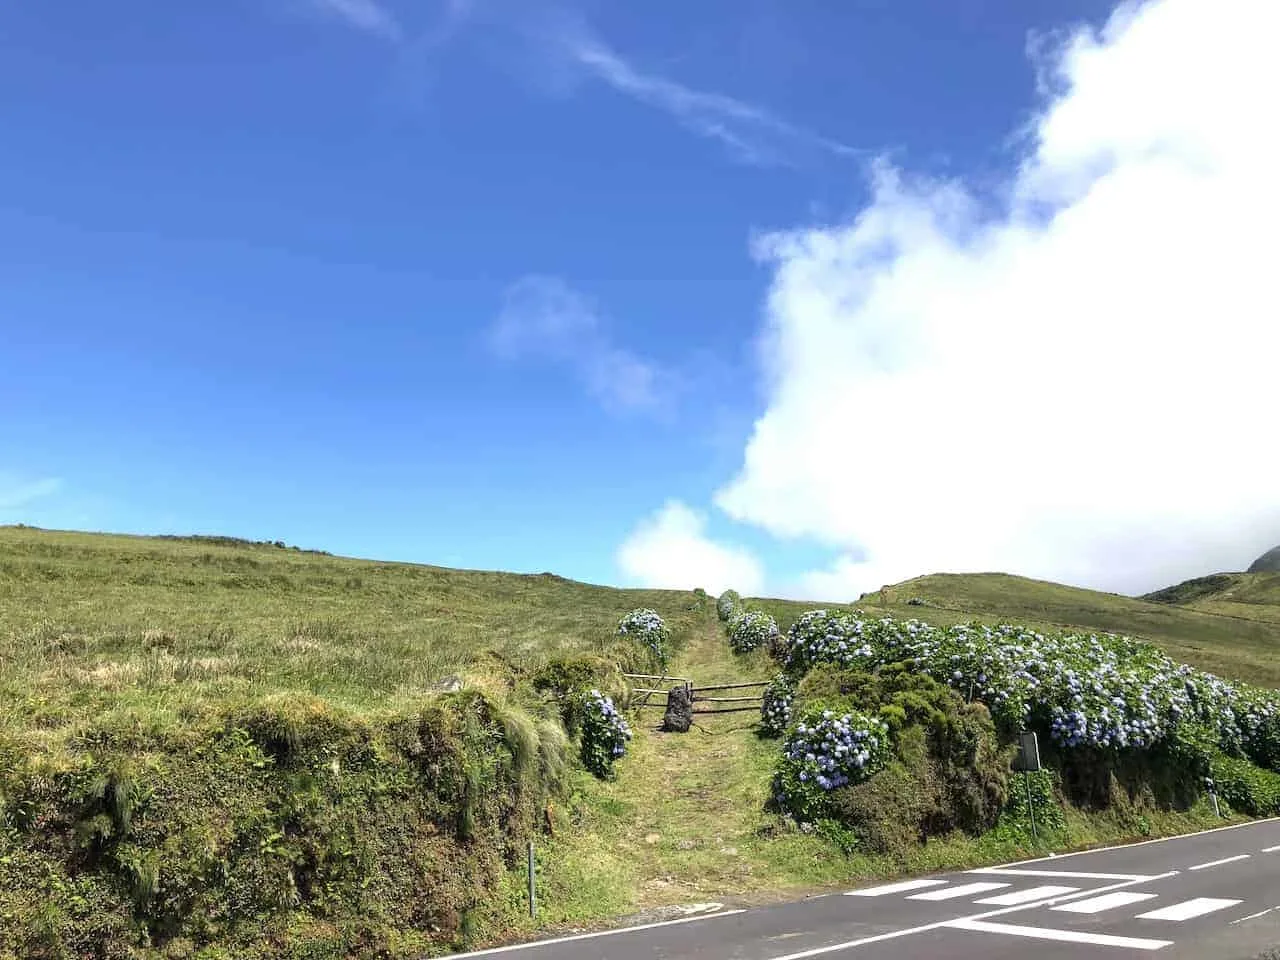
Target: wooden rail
706, 713
653, 676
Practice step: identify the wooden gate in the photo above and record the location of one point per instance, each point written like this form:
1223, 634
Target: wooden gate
739, 700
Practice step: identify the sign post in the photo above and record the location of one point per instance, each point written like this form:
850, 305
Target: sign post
1028, 760
533, 903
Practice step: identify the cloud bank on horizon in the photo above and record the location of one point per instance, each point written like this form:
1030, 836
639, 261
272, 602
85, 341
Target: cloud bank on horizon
1073, 380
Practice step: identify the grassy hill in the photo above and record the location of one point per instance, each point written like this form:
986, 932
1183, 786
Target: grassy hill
179, 704
94, 622
1246, 596
90, 623
1234, 631
1269, 562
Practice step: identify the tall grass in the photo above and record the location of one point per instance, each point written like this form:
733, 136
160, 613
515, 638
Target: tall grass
164, 627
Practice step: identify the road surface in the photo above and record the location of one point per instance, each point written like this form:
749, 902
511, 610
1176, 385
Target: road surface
1207, 896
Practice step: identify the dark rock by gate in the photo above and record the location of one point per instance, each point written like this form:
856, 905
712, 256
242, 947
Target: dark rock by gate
679, 715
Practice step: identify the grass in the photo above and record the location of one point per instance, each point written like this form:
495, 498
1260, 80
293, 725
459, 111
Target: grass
91, 624
1236, 636
94, 627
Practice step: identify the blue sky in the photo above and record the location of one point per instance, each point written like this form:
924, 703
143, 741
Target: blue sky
469, 282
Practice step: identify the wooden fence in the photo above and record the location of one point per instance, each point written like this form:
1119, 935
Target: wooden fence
700, 694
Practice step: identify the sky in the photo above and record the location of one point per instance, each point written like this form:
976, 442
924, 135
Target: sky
788, 296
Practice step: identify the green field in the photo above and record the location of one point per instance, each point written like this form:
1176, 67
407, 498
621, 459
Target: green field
135, 664
1234, 632
92, 623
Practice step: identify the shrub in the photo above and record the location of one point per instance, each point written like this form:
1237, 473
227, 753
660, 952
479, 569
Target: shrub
751, 630
567, 678
646, 627
889, 811
1015, 819
948, 770
1100, 692
825, 751
775, 710
1247, 788
255, 824
727, 605
604, 734
823, 637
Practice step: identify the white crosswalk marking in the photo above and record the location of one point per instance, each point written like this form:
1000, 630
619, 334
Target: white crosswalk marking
1197, 907
1218, 863
1064, 936
1026, 896
964, 890
902, 887
1108, 901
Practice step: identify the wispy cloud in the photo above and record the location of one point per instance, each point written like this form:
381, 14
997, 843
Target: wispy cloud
544, 317
16, 493
751, 133
367, 15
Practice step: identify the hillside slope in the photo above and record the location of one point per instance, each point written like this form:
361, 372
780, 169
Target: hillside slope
91, 622
1269, 562
254, 725
1234, 633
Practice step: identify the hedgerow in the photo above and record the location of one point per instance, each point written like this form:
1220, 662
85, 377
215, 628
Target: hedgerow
751, 630
728, 604
605, 733
1101, 692
647, 628
775, 709
1113, 714
268, 824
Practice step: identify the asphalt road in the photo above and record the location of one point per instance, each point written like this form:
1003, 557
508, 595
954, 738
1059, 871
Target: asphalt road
1208, 896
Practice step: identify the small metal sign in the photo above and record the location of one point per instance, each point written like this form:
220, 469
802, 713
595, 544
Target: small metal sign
1028, 759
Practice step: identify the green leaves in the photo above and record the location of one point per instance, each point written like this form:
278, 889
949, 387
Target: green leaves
604, 734
646, 627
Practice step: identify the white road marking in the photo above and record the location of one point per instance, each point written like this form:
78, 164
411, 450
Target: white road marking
1196, 907
1023, 896
1108, 901
926, 927
964, 890
1066, 936
1254, 916
1066, 874
1218, 863
588, 936
902, 887
1140, 843
1271, 849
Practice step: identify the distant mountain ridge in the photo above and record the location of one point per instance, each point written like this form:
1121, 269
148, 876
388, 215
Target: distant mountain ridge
1269, 562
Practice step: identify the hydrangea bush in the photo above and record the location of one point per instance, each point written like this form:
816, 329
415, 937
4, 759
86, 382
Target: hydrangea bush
727, 605
825, 751
1097, 691
751, 630
646, 627
604, 733
775, 711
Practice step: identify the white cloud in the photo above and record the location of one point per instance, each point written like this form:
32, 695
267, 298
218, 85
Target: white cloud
16, 493
544, 317
367, 15
751, 133
1081, 386
670, 550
